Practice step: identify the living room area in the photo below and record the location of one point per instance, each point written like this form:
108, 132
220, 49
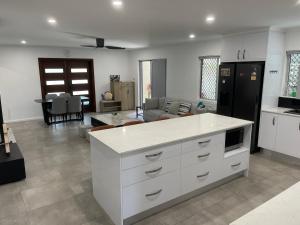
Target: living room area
149, 112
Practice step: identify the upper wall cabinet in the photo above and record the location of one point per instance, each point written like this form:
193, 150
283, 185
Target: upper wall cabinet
245, 47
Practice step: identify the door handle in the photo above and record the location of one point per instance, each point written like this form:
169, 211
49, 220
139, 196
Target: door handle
238, 54
203, 142
154, 171
203, 175
244, 54
155, 155
236, 165
274, 122
154, 193
203, 156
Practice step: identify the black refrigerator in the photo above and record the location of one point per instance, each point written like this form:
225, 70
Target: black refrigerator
1, 124
240, 93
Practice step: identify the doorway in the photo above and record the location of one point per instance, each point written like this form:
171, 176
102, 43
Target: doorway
152, 79
74, 76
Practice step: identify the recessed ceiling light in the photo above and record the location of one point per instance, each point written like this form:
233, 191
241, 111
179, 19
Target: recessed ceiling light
117, 3
192, 36
23, 42
52, 21
210, 19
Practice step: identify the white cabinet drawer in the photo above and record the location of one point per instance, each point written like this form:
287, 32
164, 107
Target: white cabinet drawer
149, 171
197, 176
150, 156
205, 143
203, 155
140, 197
235, 163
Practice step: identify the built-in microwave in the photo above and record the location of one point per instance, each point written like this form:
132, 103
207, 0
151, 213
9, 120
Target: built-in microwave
234, 139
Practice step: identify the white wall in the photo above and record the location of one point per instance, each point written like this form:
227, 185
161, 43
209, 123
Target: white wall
272, 88
183, 65
20, 81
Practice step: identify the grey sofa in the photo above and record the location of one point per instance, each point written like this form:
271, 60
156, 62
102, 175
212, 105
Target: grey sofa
155, 108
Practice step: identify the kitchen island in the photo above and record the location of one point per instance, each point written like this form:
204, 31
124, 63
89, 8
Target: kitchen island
141, 169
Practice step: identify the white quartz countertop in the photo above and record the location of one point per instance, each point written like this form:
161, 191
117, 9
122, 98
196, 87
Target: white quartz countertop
281, 210
132, 138
278, 110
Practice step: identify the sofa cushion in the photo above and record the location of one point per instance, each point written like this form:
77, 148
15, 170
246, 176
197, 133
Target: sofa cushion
151, 103
184, 108
152, 114
173, 108
161, 103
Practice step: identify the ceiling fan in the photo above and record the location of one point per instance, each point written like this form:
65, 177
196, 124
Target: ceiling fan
99, 42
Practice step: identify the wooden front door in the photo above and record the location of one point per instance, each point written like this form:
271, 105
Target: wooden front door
74, 76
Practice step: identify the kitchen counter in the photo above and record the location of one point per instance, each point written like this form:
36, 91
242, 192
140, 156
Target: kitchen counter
141, 169
133, 138
278, 110
280, 210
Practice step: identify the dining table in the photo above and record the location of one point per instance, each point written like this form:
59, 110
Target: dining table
47, 104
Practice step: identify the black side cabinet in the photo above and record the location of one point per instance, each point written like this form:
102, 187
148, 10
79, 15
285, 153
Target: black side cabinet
12, 167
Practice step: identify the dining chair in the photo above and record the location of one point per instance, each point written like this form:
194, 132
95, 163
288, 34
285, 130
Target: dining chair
65, 95
130, 123
75, 107
50, 96
59, 108
104, 127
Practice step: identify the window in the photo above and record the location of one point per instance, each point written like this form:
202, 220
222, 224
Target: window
55, 82
209, 77
293, 59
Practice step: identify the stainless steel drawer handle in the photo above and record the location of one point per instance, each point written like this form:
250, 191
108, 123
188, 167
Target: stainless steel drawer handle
203, 175
236, 165
154, 171
155, 155
203, 142
203, 156
154, 193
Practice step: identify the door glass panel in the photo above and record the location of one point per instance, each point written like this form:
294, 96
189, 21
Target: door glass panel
146, 80
54, 70
79, 81
78, 70
55, 93
55, 82
81, 92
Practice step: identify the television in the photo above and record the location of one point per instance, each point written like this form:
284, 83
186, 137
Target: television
1, 124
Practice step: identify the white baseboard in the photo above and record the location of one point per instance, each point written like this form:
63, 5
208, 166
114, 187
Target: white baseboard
24, 120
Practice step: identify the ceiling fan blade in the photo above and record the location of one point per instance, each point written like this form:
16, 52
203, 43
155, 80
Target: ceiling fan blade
89, 46
81, 35
114, 47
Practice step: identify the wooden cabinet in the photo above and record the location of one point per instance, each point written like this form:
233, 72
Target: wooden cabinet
245, 47
268, 130
288, 135
125, 92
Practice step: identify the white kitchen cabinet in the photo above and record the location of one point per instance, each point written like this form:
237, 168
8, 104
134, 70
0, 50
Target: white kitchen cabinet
245, 47
268, 130
288, 135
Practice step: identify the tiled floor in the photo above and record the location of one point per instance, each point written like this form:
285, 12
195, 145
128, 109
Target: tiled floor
58, 189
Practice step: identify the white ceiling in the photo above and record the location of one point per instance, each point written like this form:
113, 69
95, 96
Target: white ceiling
140, 23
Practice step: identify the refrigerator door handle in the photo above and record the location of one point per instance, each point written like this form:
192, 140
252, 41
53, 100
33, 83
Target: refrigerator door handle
244, 54
238, 54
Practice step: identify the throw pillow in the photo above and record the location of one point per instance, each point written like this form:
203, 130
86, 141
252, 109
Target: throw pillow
151, 103
167, 105
173, 109
184, 108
